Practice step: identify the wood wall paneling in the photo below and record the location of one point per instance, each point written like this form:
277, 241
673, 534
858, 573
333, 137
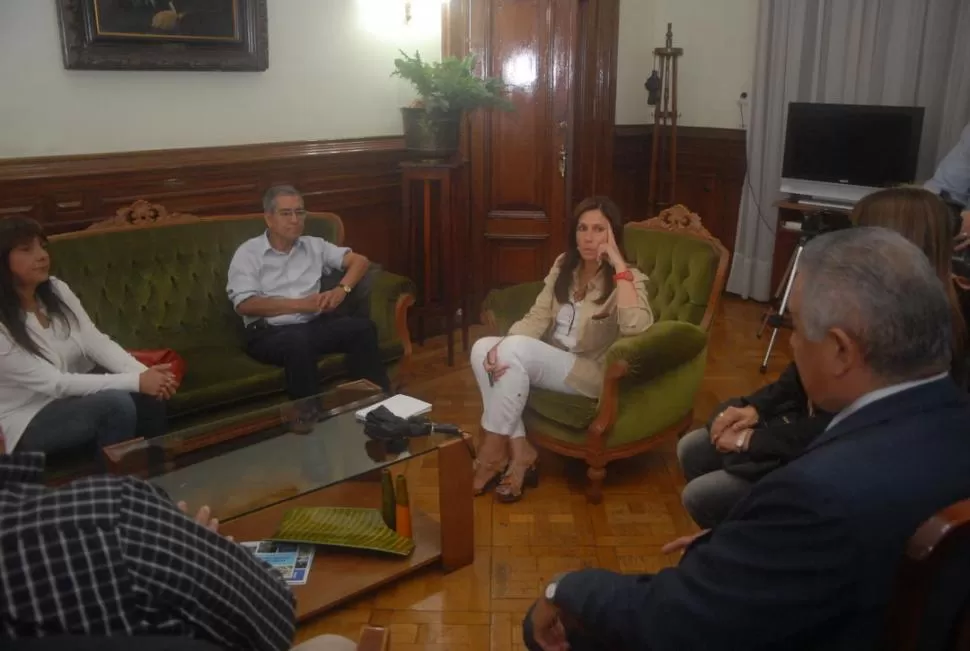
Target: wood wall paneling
358, 179
559, 59
710, 174
592, 152
515, 176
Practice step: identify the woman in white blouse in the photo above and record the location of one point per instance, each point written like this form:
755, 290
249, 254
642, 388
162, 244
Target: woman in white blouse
52, 395
591, 298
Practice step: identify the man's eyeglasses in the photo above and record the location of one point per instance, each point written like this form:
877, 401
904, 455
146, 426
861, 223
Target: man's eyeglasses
291, 213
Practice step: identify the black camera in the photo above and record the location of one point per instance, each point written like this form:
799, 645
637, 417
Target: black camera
824, 221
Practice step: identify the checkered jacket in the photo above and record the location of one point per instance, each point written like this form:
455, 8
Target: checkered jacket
114, 556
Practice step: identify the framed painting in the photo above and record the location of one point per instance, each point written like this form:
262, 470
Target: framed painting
228, 35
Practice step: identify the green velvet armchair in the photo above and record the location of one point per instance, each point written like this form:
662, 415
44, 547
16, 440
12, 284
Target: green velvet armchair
651, 379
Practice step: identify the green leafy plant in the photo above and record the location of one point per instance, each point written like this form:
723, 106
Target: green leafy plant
450, 85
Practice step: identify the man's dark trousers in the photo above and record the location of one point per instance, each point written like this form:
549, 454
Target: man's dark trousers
298, 348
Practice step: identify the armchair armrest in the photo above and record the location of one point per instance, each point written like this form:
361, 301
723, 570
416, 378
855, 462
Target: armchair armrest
662, 347
503, 307
391, 296
637, 360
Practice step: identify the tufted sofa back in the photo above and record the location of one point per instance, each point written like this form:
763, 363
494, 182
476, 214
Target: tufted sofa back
164, 286
681, 268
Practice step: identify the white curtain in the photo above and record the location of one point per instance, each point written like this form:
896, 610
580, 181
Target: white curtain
889, 52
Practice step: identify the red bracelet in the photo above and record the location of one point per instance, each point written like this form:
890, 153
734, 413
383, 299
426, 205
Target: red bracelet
624, 275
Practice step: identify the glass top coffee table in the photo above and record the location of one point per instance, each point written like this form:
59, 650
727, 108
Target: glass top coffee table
253, 467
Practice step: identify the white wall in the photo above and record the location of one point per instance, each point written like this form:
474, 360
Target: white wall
328, 77
718, 37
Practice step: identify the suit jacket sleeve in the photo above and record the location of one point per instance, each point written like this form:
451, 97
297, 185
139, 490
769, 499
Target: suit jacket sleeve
786, 390
781, 567
539, 317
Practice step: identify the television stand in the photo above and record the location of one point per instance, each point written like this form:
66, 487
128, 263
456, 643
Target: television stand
788, 232
791, 214
811, 203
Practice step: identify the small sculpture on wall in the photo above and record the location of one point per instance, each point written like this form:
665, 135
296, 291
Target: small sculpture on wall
164, 34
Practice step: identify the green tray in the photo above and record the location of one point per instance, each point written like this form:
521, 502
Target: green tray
339, 526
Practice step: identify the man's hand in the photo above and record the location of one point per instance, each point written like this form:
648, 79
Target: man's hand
736, 418
203, 517
331, 299
681, 543
734, 440
548, 630
321, 302
307, 305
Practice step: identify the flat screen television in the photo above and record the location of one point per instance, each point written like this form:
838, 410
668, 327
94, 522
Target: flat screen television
842, 152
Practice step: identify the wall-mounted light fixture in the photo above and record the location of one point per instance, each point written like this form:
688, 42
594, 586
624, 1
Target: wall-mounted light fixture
396, 19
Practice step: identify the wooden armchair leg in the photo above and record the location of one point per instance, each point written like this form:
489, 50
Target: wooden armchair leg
404, 375
405, 368
596, 473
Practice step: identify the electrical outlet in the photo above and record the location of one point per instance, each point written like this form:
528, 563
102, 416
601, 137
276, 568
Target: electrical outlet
743, 110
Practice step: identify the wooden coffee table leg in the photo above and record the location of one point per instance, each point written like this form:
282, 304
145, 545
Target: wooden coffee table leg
455, 503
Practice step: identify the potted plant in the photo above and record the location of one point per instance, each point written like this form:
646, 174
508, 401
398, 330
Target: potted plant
446, 90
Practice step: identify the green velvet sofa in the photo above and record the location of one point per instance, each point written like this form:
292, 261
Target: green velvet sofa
650, 379
152, 280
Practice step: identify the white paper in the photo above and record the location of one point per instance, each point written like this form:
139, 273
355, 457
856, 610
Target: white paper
400, 405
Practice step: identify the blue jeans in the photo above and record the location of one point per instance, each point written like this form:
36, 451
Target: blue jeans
711, 492
93, 421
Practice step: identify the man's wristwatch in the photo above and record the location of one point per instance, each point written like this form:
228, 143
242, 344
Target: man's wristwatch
347, 288
743, 440
550, 593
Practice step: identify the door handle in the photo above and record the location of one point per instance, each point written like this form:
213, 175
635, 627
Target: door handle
562, 160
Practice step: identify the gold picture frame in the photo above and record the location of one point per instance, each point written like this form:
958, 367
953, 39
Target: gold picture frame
226, 35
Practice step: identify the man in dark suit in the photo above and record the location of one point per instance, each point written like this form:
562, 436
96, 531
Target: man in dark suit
807, 560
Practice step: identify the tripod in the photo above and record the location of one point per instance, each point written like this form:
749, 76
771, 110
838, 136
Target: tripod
777, 319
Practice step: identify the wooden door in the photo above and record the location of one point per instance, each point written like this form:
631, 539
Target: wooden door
520, 160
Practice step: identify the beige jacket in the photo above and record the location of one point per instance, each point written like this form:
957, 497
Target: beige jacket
597, 326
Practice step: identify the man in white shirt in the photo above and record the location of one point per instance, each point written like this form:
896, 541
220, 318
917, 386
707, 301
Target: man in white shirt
952, 177
274, 284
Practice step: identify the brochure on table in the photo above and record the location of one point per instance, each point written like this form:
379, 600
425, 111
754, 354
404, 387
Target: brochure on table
291, 560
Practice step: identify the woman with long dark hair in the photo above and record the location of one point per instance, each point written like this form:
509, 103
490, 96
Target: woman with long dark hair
52, 395
591, 298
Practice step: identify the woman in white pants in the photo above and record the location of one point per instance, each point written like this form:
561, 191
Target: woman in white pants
591, 297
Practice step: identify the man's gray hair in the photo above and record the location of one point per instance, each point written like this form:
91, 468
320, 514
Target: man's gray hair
881, 290
269, 198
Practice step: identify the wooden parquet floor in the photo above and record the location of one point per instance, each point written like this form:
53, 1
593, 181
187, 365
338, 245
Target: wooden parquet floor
519, 547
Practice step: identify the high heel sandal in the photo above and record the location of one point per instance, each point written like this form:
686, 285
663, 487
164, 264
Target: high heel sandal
498, 470
530, 479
